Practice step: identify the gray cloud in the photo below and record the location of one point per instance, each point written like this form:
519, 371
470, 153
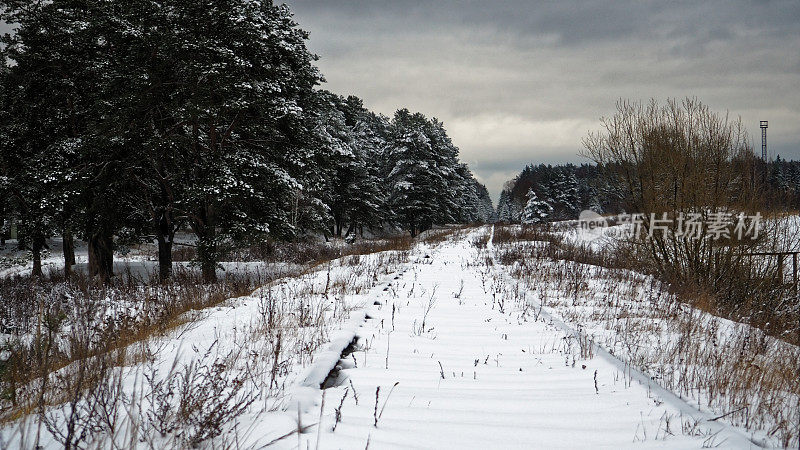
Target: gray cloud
520, 82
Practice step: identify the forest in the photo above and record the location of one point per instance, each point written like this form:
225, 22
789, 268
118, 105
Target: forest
124, 122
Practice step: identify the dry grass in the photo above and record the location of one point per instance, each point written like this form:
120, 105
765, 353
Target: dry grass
726, 366
53, 322
55, 327
75, 395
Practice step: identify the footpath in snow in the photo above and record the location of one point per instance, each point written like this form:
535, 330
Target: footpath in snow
438, 365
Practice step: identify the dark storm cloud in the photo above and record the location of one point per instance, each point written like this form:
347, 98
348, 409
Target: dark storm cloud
520, 82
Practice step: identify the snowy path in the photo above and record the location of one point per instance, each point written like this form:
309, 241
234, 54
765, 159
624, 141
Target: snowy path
504, 381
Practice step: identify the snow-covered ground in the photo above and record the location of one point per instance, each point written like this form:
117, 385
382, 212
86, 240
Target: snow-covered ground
141, 262
479, 377
444, 358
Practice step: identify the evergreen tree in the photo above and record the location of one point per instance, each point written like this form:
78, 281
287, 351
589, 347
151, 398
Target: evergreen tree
565, 191
52, 88
588, 197
5, 119
478, 205
486, 212
536, 211
356, 199
412, 181
509, 209
128, 120
371, 133
778, 177
425, 182
232, 111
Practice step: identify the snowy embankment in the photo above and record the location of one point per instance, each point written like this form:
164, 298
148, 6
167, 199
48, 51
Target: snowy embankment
729, 371
236, 372
440, 347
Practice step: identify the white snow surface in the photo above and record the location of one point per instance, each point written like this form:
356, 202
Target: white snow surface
473, 377
502, 382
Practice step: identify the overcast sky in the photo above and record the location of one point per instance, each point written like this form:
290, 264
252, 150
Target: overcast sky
519, 82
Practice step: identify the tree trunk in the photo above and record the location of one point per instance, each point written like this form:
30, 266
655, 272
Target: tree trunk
207, 253
338, 227
204, 227
165, 236
101, 255
2, 223
36, 248
164, 257
68, 246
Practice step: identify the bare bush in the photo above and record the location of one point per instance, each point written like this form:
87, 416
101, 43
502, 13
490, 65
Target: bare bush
680, 161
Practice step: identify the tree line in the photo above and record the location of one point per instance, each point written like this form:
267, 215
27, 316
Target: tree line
128, 121
783, 181
546, 193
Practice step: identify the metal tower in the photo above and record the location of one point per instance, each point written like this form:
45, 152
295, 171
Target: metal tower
764, 140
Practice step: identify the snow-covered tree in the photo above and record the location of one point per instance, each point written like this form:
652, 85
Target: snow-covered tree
51, 99
425, 183
478, 206
355, 138
5, 119
486, 211
565, 195
509, 209
536, 211
218, 97
132, 119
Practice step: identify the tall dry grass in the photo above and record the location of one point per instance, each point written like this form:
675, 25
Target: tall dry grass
65, 342
750, 375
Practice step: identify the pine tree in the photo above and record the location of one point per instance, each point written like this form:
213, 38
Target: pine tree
427, 182
52, 89
130, 120
509, 209
589, 198
356, 198
486, 212
778, 178
223, 91
412, 180
536, 211
5, 119
371, 134
566, 196
478, 205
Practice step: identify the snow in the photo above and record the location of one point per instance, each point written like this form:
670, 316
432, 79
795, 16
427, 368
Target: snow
503, 382
482, 372
140, 264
